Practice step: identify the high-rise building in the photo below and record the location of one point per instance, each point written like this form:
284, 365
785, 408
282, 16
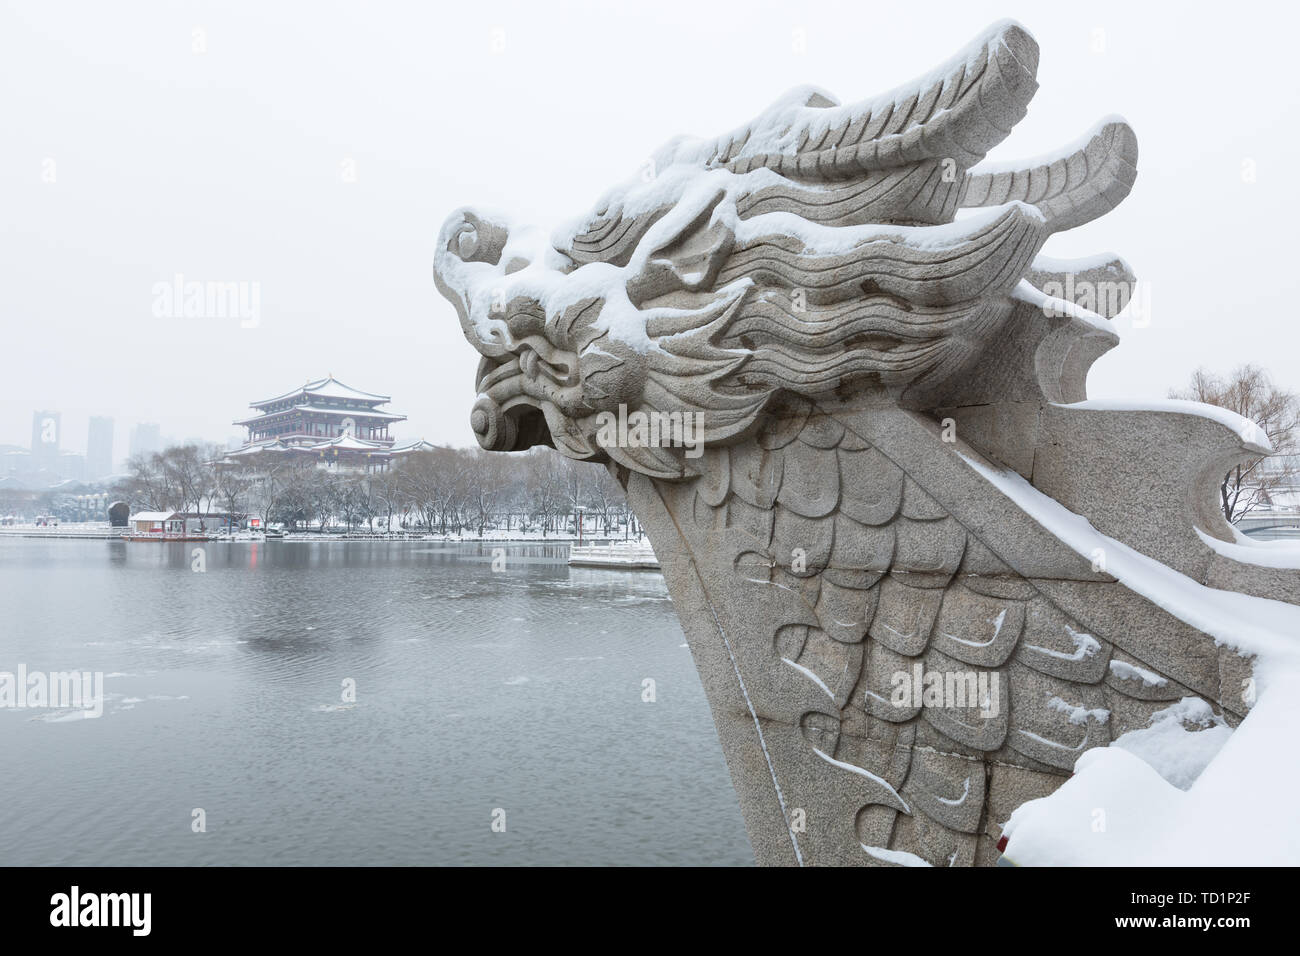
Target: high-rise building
71, 466
47, 433
99, 447
14, 461
146, 438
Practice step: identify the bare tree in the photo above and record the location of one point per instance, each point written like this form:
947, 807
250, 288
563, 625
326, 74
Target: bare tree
275, 477
325, 493
418, 476
573, 478
485, 485
351, 498
232, 483
386, 494
452, 485
190, 473
606, 495
452, 490
543, 498
147, 487
1249, 391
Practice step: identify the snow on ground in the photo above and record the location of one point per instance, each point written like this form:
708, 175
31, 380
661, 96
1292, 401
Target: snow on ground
1187, 790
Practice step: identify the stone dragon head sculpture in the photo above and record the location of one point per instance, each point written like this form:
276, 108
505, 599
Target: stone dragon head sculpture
812, 250
895, 471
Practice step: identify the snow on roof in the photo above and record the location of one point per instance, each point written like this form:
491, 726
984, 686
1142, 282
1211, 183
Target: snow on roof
418, 444
333, 410
153, 516
266, 444
349, 443
305, 443
323, 409
328, 387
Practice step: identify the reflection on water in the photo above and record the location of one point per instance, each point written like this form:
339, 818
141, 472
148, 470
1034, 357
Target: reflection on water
476, 689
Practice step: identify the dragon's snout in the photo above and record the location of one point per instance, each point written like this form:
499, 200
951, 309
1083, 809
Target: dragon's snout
516, 428
473, 239
494, 429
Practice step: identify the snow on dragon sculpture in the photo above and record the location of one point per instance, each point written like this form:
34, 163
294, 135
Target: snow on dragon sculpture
901, 638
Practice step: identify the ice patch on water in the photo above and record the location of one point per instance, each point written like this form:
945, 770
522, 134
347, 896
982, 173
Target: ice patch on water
516, 681
64, 716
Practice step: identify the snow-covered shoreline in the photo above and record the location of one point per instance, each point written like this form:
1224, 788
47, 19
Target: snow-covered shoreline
90, 530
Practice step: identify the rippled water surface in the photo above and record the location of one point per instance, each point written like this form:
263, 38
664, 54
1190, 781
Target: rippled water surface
475, 690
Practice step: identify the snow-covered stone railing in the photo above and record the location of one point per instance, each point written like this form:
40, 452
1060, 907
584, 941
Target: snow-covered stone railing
923, 578
617, 554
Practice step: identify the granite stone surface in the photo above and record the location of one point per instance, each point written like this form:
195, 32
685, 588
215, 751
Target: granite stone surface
804, 366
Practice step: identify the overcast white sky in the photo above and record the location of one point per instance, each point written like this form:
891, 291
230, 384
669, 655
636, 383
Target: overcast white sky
228, 165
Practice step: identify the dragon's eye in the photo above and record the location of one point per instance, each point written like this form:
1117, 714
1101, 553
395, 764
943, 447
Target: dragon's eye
465, 242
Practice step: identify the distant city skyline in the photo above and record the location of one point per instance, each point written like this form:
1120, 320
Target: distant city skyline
109, 437
54, 447
75, 423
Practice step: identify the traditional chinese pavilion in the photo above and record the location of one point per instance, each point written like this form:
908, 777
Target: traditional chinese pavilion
328, 423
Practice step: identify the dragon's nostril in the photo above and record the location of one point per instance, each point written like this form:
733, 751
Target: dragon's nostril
478, 420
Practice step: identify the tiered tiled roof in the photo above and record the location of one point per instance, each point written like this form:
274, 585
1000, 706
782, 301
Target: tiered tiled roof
328, 387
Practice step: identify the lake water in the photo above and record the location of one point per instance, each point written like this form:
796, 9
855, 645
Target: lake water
475, 691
